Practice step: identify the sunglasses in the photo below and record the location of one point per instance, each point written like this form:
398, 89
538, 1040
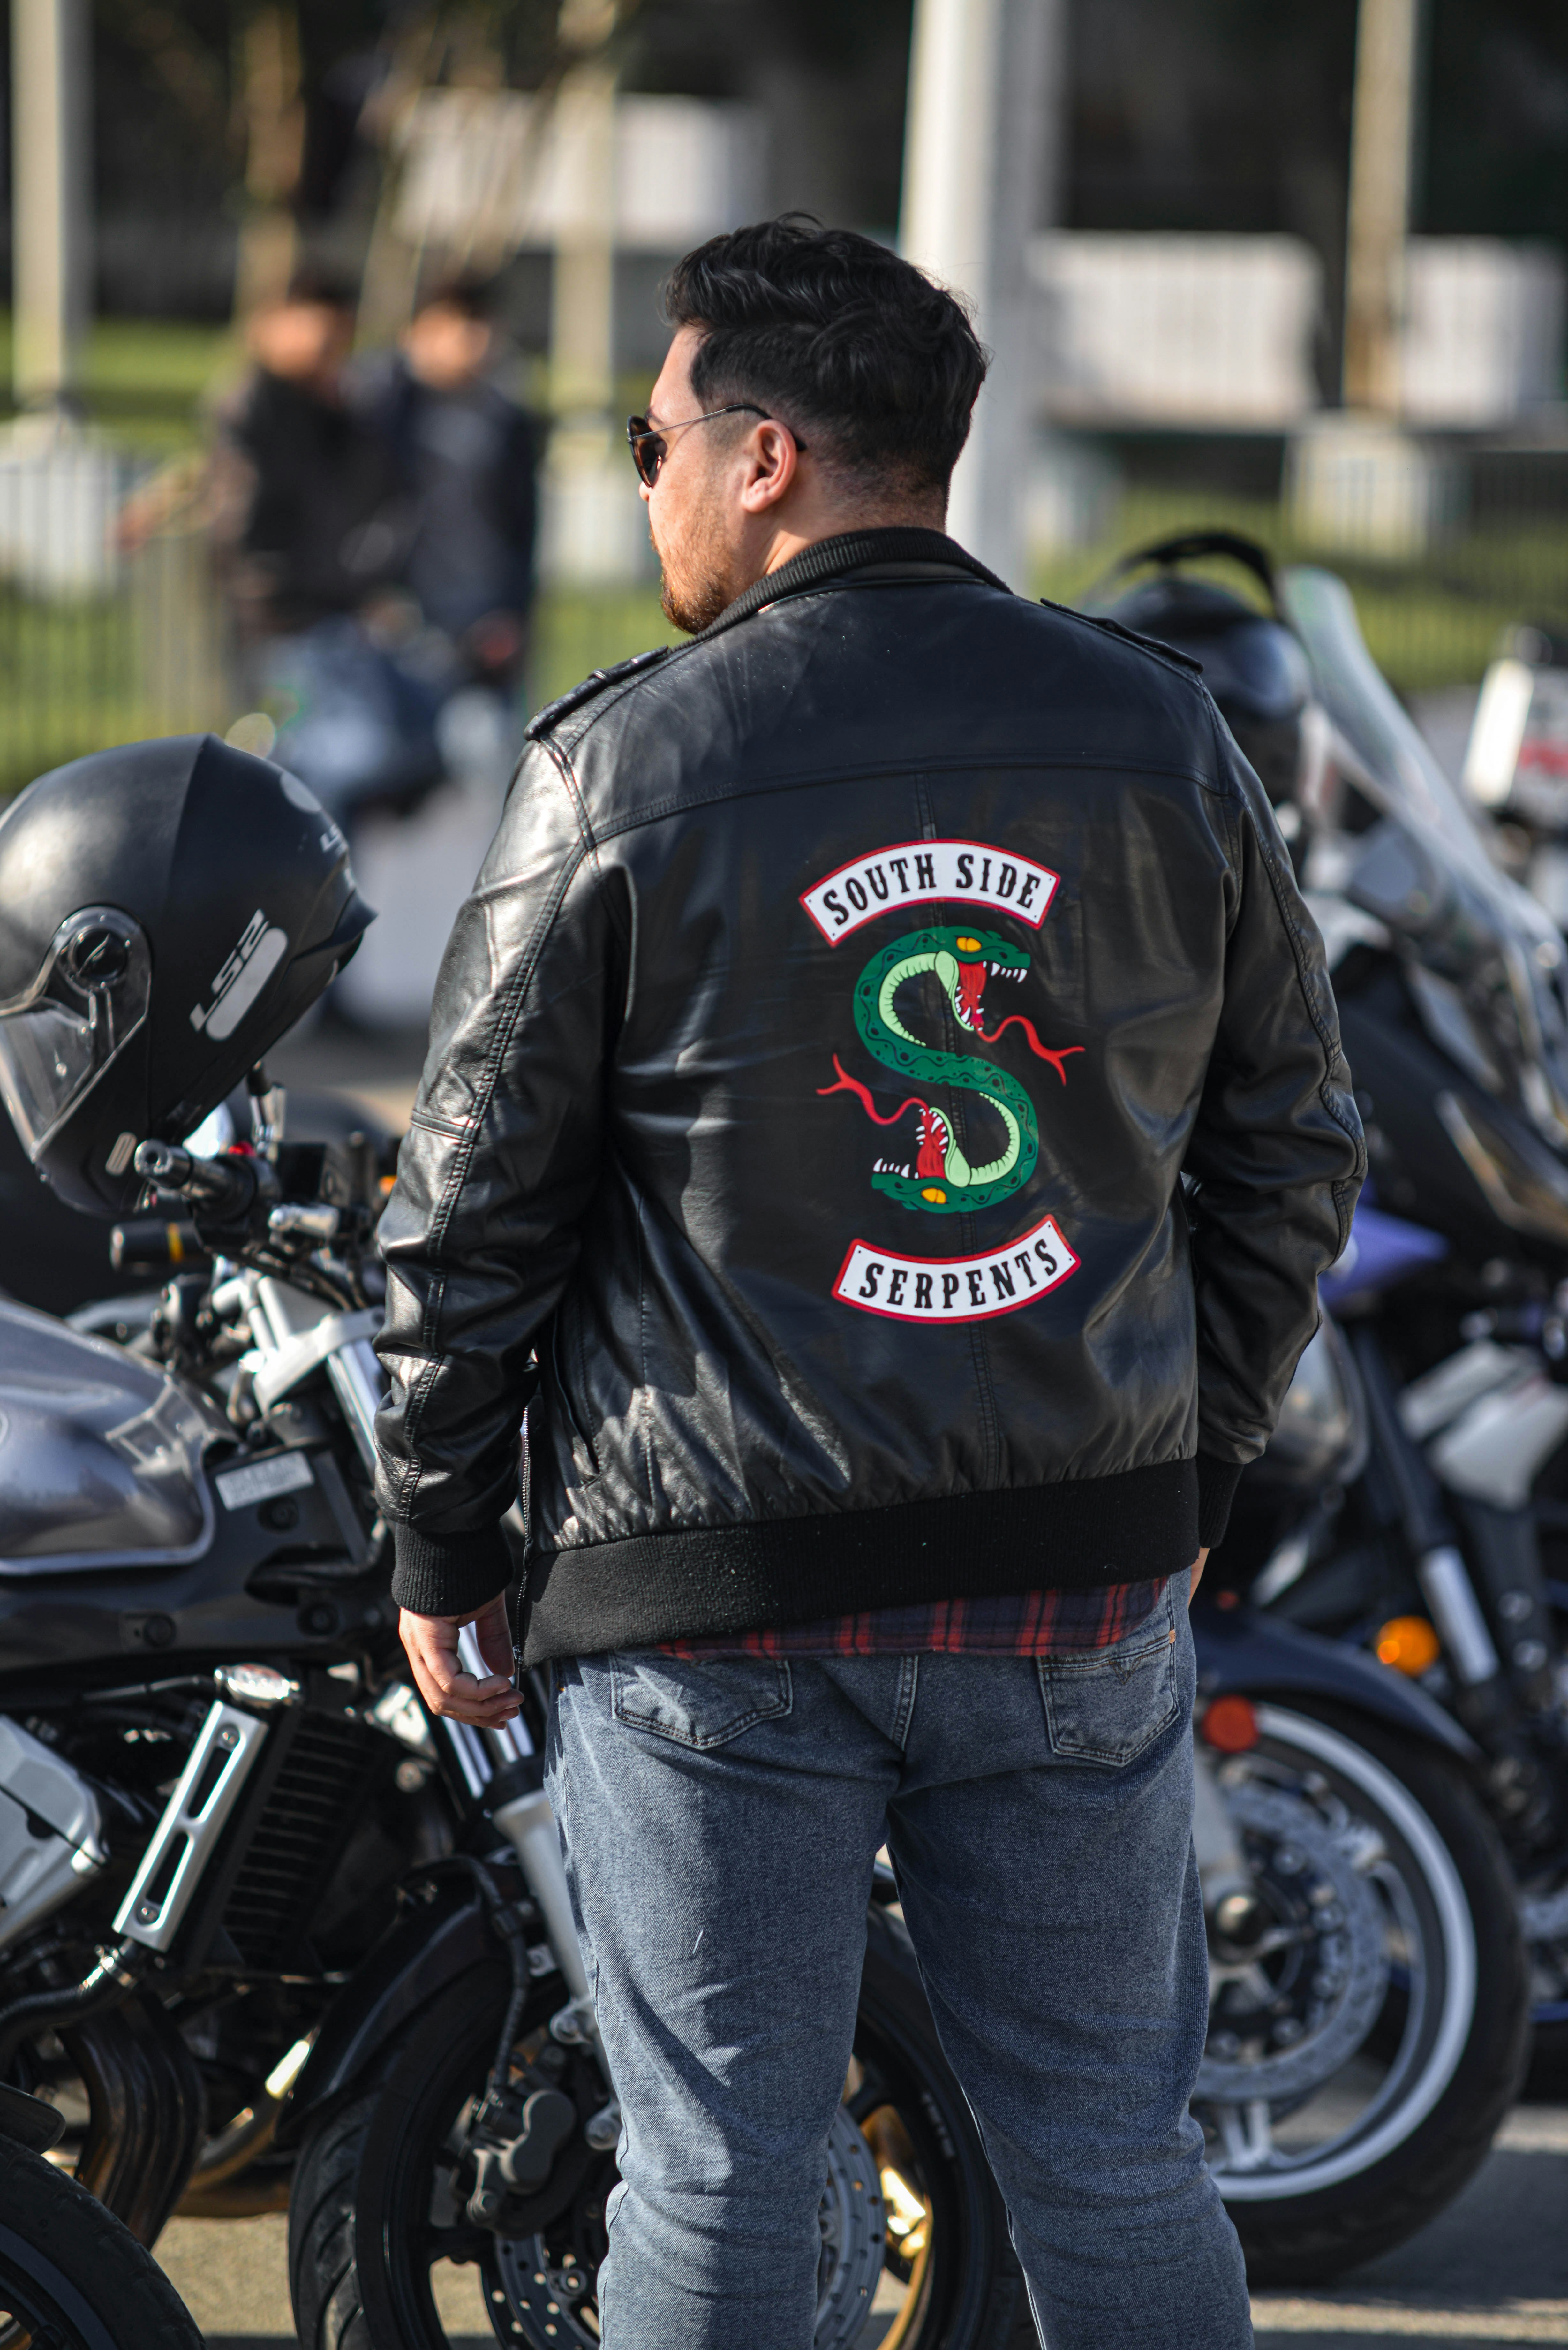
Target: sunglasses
650, 446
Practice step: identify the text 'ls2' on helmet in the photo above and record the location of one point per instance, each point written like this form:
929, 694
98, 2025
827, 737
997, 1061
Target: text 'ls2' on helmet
168, 909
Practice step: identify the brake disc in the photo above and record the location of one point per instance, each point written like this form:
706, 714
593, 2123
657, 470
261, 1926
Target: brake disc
545, 2297
1316, 1875
854, 2225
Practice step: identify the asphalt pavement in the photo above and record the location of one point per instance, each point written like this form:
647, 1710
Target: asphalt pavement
1492, 2268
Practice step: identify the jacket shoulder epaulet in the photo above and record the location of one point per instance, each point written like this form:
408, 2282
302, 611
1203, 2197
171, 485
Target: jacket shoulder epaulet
596, 682
1161, 652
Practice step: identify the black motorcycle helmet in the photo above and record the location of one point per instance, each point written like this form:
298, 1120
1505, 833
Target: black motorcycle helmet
1251, 662
167, 911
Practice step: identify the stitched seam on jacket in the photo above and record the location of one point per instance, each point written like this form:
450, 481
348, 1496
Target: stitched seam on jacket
423, 1388
599, 706
1330, 1044
661, 810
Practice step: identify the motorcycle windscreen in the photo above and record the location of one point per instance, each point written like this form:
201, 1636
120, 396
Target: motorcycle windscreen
1465, 918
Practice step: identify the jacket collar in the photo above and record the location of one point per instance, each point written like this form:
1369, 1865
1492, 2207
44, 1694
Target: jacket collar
829, 558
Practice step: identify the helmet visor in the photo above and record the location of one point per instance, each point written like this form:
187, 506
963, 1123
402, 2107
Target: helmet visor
60, 1034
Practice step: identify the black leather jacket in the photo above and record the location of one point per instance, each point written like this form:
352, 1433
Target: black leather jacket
813, 1074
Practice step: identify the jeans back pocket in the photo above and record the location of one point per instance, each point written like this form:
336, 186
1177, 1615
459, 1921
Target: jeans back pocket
1107, 1705
700, 1702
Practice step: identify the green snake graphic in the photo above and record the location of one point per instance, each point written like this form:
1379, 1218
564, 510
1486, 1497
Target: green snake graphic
942, 1180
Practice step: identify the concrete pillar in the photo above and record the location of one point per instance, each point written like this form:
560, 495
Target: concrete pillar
981, 156
582, 304
50, 180
1381, 145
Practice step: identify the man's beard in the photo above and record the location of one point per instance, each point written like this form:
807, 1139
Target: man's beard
696, 585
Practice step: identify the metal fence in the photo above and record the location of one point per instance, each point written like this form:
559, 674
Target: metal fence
100, 642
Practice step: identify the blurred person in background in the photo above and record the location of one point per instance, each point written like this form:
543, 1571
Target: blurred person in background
305, 504
468, 456
311, 523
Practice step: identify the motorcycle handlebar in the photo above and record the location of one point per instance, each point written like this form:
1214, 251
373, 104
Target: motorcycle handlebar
227, 1187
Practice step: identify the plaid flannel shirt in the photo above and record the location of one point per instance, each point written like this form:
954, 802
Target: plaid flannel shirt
1030, 1624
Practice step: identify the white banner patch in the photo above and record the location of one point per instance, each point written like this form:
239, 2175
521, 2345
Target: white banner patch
919, 871
956, 1288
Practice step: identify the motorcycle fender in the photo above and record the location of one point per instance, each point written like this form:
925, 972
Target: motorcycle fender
424, 1951
1241, 1651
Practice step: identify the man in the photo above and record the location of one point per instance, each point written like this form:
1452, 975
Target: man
469, 456
814, 1076
311, 520
305, 496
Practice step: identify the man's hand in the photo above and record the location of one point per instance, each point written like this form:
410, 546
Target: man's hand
1198, 1564
431, 1645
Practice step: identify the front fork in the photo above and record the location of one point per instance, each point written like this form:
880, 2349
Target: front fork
505, 1773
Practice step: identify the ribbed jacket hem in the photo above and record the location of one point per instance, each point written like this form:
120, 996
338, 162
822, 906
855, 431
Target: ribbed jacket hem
778, 1571
449, 1575
1217, 1483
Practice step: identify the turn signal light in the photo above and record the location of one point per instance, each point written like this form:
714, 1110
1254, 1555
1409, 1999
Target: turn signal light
1230, 1726
1410, 1644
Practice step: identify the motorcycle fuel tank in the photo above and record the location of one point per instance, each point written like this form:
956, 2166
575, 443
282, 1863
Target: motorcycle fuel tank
99, 1454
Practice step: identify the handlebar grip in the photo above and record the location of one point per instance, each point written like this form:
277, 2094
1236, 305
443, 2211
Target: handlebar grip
227, 1186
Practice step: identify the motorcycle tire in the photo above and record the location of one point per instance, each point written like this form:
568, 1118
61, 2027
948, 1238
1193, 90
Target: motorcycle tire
71, 2276
1453, 2034
374, 2212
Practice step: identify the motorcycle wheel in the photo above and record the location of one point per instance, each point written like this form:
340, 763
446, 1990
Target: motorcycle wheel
916, 2254
1368, 2021
73, 2278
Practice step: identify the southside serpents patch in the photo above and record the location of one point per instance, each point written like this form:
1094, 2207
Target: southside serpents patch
940, 1178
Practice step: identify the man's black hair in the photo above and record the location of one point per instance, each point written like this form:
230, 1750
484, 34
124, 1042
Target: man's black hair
834, 333
321, 288
471, 295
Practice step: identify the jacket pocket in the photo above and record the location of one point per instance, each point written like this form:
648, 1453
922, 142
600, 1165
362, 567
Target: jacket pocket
1106, 1707
698, 1704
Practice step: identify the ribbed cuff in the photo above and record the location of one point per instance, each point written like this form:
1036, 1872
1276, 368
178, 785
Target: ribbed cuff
1217, 1483
449, 1575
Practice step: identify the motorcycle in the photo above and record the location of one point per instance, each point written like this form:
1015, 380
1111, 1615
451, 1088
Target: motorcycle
272, 1934
70, 2276
1453, 990
1339, 2124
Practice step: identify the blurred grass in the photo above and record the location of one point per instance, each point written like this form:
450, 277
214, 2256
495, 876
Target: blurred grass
145, 380
577, 629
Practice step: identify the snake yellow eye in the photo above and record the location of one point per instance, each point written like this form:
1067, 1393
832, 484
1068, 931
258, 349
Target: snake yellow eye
967, 946
937, 1198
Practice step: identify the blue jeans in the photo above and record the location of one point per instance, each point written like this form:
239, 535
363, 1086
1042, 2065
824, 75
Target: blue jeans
719, 1820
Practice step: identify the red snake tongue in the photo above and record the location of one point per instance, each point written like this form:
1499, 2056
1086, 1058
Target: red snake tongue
970, 988
848, 1085
1018, 1020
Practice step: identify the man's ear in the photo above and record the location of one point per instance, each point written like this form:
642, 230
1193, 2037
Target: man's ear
774, 467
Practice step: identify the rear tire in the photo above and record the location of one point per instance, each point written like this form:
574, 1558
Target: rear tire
362, 2243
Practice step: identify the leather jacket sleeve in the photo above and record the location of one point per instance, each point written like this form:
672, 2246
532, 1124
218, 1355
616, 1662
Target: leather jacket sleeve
1276, 1157
480, 1235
